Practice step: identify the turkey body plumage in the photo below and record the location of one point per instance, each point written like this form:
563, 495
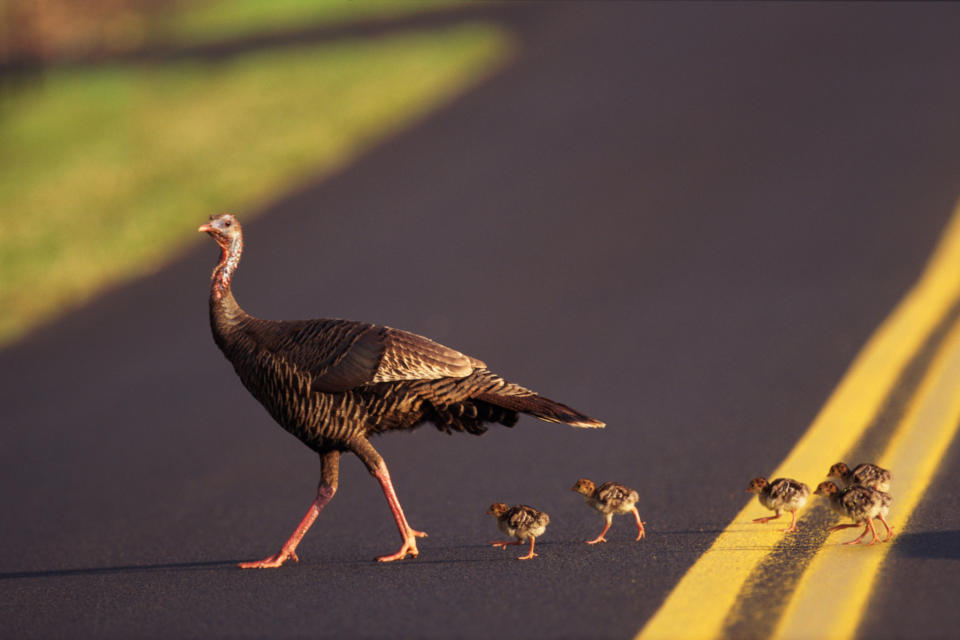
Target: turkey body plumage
330, 381
335, 383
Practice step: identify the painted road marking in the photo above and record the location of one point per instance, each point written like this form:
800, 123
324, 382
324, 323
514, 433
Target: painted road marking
700, 604
915, 452
765, 595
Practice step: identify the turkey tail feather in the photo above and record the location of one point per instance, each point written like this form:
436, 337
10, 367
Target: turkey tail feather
540, 407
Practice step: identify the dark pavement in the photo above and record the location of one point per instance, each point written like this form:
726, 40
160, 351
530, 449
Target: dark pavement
684, 220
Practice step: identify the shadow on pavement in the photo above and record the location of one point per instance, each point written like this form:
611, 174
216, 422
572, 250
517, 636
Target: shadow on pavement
133, 568
929, 544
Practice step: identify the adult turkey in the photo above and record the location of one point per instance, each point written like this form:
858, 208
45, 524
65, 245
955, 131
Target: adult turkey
335, 383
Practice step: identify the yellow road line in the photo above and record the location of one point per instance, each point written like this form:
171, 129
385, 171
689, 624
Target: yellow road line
698, 605
836, 586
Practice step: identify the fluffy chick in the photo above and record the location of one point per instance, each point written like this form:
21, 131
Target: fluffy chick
782, 494
520, 522
861, 504
610, 498
869, 475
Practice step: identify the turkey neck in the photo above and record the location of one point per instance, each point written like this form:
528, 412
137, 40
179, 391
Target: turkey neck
225, 313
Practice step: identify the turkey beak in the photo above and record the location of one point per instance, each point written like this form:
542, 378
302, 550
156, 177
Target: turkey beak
205, 228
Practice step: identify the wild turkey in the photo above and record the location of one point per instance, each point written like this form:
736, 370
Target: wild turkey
520, 522
610, 498
335, 383
782, 494
861, 504
869, 475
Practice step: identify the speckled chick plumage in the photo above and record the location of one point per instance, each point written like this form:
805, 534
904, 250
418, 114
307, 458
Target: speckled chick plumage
521, 522
781, 494
610, 498
861, 504
865, 473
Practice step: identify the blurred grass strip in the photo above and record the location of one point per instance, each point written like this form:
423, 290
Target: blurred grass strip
220, 20
105, 172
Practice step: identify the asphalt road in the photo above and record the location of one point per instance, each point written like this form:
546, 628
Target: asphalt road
684, 220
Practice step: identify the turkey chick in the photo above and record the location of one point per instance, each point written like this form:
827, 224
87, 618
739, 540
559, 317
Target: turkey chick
861, 504
520, 522
782, 494
610, 498
869, 475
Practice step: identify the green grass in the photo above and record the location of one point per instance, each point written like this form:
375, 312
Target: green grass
217, 20
105, 173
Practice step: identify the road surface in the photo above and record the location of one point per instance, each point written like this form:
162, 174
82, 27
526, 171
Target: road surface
686, 220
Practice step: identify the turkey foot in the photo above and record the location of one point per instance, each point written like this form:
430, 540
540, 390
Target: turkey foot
793, 523
272, 562
600, 538
887, 525
289, 550
767, 519
531, 554
503, 545
409, 548
868, 527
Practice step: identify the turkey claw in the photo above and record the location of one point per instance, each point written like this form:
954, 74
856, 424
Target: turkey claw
271, 562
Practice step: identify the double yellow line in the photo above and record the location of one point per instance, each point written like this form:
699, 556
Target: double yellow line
833, 591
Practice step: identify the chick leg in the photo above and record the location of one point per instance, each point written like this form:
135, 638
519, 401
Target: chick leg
868, 527
887, 525
793, 523
504, 545
600, 537
531, 554
873, 530
330, 467
640, 532
768, 518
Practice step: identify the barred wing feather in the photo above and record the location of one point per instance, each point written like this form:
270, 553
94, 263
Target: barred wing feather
340, 355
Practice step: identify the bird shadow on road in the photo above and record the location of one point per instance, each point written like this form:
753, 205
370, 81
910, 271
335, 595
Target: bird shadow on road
132, 568
457, 554
928, 544
193, 566
687, 532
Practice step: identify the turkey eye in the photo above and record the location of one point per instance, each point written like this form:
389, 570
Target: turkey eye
227, 223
